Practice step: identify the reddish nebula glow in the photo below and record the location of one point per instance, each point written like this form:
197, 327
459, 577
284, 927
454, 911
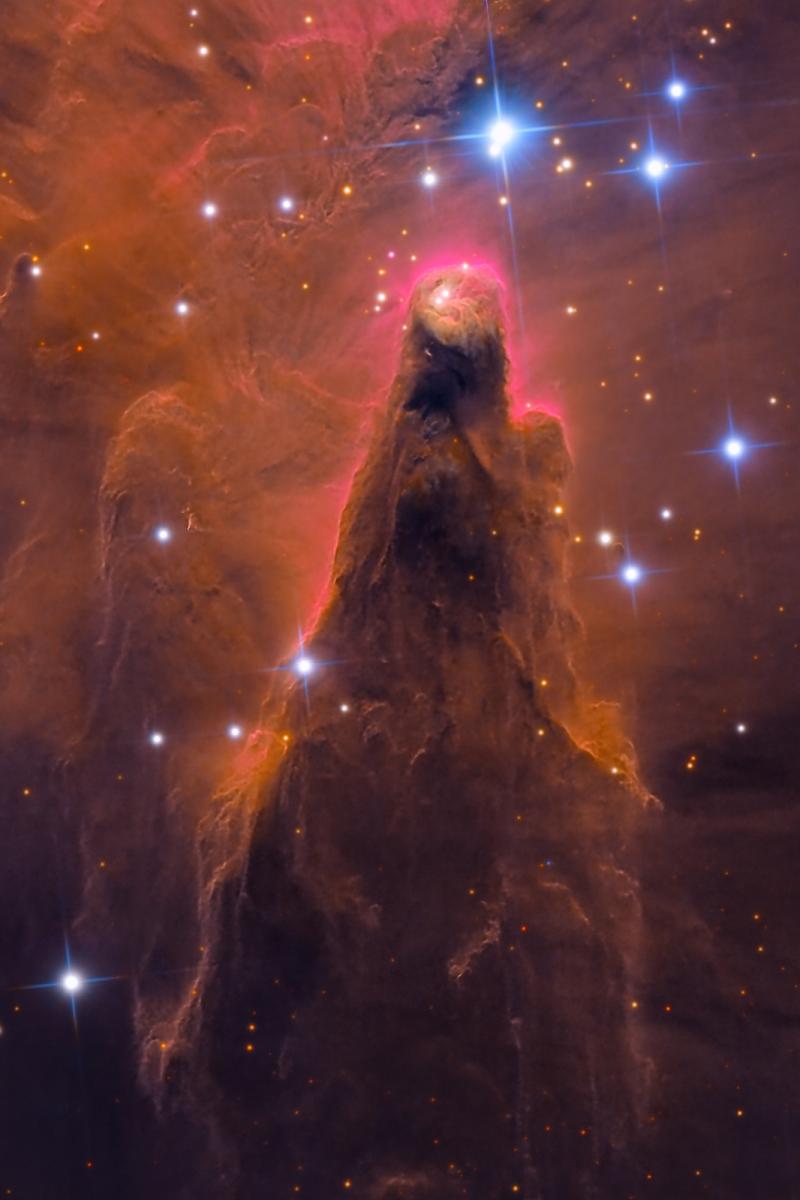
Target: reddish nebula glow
213, 218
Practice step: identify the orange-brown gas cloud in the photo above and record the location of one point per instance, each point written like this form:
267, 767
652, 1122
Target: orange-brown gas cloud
425, 887
222, 228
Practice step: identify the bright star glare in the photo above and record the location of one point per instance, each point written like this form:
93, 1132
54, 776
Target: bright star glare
430, 178
287, 203
162, 533
605, 537
156, 738
655, 167
304, 665
676, 90
734, 447
631, 573
234, 732
500, 134
71, 982
666, 514
210, 209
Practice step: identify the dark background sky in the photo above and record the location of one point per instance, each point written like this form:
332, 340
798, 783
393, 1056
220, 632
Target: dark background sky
238, 423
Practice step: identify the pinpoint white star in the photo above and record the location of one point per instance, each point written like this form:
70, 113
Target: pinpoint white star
429, 178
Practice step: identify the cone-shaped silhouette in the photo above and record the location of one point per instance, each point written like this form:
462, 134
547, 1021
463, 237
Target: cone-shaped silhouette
423, 923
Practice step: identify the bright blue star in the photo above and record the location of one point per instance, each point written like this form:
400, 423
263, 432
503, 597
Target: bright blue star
656, 166
501, 133
71, 982
734, 447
